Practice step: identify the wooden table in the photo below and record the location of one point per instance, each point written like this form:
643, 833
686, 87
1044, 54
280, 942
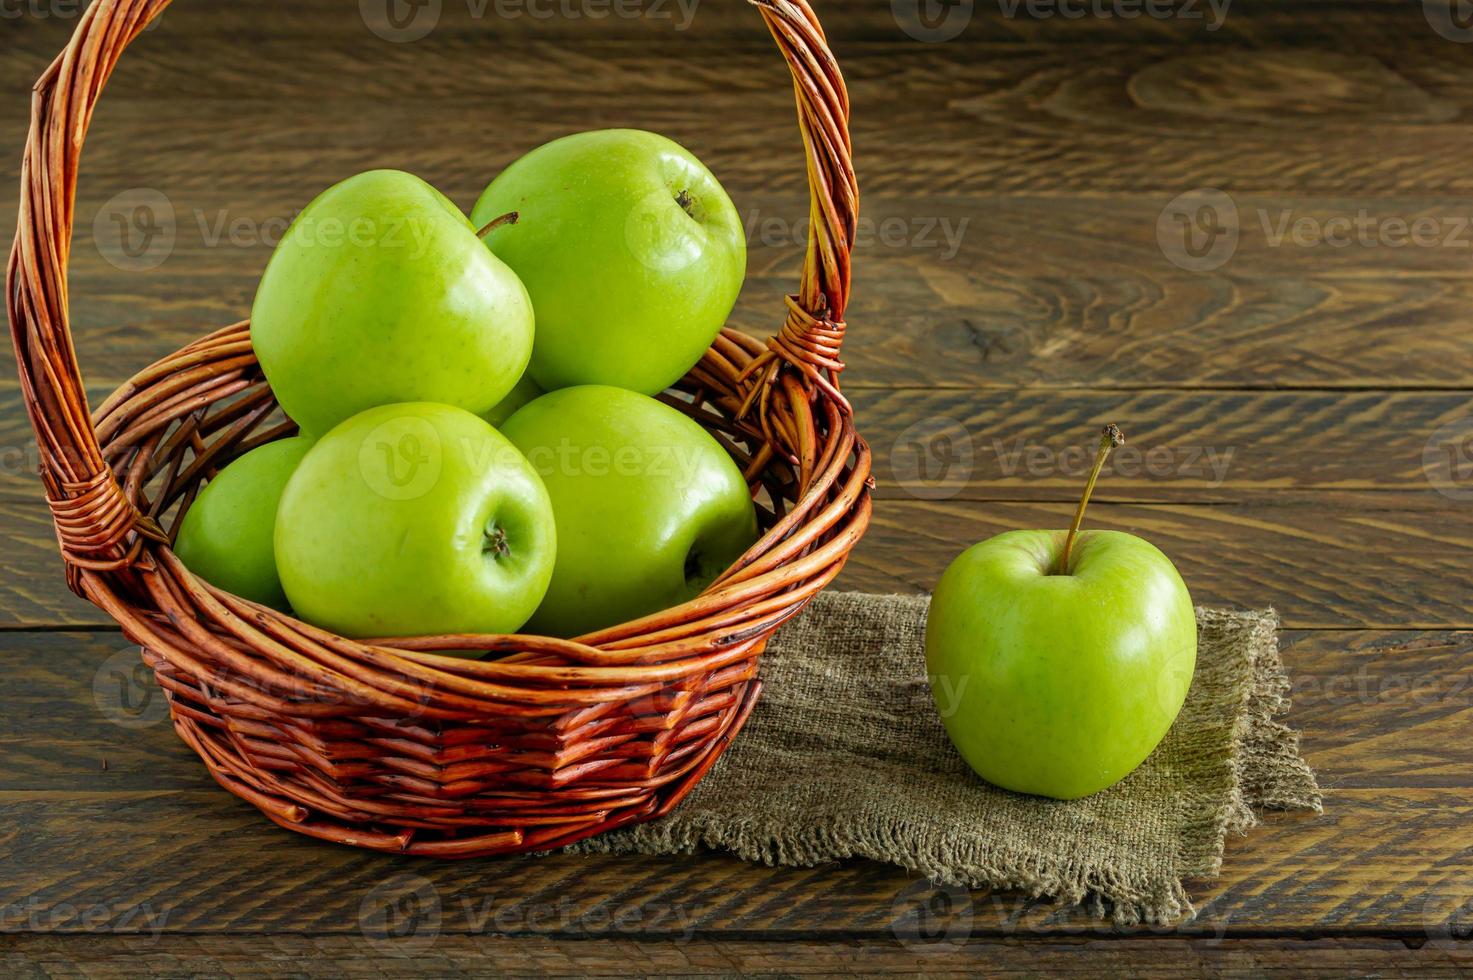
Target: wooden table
1299, 406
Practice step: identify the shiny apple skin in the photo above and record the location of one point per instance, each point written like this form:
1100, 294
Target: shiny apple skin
650, 509
381, 293
629, 287
1060, 685
383, 528
227, 533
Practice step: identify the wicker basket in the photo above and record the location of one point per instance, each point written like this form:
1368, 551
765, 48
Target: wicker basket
388, 745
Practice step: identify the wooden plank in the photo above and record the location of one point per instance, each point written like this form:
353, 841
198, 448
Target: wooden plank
1378, 861
1325, 560
1040, 293
1180, 445
1030, 115
1378, 709
329, 957
1337, 559
1008, 444
1382, 717
1052, 165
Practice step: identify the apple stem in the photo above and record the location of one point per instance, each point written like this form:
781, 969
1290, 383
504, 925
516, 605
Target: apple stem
1110, 437
510, 218
496, 542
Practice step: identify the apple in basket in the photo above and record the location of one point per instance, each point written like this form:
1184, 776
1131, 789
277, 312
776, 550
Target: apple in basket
632, 252
415, 519
1058, 660
650, 508
381, 292
226, 536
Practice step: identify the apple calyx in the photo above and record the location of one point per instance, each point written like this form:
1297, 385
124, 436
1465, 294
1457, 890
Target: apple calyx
496, 545
686, 202
510, 218
1110, 437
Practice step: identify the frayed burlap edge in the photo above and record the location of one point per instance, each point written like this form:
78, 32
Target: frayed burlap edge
1263, 769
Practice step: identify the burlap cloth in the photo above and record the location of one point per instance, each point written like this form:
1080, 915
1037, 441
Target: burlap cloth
844, 756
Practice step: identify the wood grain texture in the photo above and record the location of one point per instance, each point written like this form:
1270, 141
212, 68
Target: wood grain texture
1026, 443
1336, 559
1383, 716
1050, 163
1049, 149
347, 957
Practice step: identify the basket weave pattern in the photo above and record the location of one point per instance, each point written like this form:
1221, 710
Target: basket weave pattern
387, 744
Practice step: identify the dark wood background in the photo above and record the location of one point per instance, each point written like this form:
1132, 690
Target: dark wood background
1335, 381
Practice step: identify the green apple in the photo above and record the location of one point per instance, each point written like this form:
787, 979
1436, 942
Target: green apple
650, 508
226, 535
381, 292
415, 519
1059, 664
631, 250
525, 390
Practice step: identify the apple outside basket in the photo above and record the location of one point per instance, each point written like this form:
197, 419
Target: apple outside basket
385, 744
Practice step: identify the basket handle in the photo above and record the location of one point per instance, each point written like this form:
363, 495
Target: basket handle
98, 528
